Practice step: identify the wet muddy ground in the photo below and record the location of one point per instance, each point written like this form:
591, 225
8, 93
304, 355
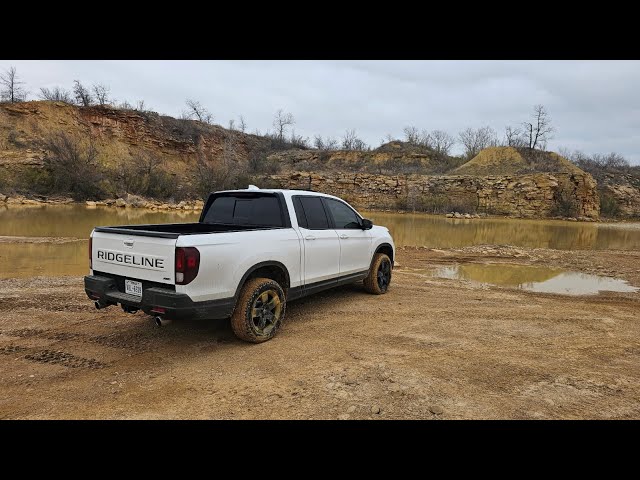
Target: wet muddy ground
432, 348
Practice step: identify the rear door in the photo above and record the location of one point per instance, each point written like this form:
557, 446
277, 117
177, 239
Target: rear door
355, 243
134, 257
321, 243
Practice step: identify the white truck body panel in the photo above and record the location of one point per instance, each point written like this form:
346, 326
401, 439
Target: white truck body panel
309, 255
321, 254
229, 255
135, 257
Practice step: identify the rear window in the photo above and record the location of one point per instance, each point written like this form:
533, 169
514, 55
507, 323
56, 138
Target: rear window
263, 211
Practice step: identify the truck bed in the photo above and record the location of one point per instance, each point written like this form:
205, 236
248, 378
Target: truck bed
174, 230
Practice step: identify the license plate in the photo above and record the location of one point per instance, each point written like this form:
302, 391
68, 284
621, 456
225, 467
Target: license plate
133, 288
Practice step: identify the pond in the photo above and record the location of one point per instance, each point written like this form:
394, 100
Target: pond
72, 224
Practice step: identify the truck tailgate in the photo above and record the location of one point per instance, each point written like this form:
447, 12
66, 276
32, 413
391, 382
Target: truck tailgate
134, 257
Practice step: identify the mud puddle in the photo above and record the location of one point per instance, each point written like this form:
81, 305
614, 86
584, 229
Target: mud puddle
533, 278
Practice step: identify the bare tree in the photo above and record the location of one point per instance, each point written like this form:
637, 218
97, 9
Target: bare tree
540, 129
11, 87
82, 94
72, 165
140, 106
360, 145
331, 143
441, 142
101, 94
476, 140
298, 140
195, 111
242, 125
281, 121
513, 137
232, 124
610, 161
411, 135
350, 141
328, 143
56, 94
142, 174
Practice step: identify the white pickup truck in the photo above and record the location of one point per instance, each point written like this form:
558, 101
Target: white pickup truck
251, 252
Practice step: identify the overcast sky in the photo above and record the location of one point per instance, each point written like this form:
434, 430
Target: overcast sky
594, 105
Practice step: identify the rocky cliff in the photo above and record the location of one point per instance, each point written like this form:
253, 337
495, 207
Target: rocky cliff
118, 134
396, 175
621, 192
527, 196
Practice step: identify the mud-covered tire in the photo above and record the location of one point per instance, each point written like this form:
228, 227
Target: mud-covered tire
379, 277
245, 323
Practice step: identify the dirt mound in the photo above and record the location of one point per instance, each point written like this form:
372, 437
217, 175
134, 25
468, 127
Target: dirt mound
392, 158
512, 161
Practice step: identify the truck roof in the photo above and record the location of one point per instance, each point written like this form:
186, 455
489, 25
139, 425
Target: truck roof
286, 192
289, 193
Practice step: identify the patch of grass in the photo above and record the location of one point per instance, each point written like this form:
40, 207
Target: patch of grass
14, 139
564, 204
32, 180
144, 174
609, 206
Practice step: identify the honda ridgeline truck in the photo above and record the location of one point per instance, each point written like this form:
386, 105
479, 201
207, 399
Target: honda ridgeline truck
250, 253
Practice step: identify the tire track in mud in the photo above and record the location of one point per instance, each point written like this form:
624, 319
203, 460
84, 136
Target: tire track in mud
12, 349
54, 303
59, 357
136, 342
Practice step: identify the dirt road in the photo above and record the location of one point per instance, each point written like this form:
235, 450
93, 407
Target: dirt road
429, 349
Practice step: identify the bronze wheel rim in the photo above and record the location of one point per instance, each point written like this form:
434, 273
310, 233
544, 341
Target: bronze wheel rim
266, 312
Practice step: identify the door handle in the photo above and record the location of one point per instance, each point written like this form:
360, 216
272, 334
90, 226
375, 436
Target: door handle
309, 237
343, 236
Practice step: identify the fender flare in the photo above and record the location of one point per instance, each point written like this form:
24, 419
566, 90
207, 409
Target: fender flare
268, 263
383, 245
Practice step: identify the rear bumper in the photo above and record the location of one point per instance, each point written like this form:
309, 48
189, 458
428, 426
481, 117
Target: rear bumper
176, 305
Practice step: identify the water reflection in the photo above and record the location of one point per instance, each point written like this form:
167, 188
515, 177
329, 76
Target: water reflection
33, 259
407, 229
440, 232
535, 279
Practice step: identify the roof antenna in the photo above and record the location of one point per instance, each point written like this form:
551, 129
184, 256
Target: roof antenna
252, 187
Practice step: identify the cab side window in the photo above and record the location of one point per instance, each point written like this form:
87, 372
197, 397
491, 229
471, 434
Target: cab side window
343, 216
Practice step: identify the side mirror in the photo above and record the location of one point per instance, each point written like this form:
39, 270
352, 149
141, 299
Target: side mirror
367, 224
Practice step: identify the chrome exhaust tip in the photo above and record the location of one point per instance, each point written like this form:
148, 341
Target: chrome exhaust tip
160, 322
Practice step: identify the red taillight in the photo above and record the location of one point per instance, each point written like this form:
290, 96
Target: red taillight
179, 260
90, 252
187, 264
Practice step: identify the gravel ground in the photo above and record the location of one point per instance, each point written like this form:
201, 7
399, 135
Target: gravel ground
428, 349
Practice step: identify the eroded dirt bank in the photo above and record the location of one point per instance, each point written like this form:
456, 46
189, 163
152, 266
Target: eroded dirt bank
431, 348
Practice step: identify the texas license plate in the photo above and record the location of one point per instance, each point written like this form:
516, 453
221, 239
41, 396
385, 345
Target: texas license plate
133, 288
